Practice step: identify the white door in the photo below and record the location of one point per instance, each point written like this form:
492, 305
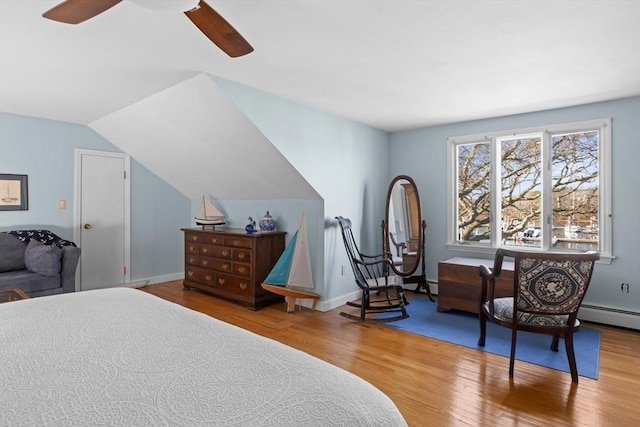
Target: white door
102, 218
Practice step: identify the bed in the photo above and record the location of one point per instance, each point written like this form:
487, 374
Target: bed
124, 357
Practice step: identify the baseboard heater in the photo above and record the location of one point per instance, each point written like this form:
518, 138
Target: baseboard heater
610, 316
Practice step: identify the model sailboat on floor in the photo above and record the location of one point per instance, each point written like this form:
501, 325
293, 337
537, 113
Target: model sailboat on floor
207, 214
292, 272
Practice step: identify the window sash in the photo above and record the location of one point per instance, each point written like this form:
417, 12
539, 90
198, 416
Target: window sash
602, 126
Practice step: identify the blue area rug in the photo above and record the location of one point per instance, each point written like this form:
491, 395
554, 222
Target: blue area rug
464, 329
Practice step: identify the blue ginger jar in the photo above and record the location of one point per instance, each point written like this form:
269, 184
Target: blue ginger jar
267, 223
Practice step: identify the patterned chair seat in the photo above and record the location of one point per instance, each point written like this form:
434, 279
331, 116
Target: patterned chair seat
503, 310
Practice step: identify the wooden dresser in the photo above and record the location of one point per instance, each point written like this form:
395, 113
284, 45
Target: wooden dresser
230, 263
459, 283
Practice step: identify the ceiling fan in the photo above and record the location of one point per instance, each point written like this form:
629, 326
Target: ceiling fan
212, 25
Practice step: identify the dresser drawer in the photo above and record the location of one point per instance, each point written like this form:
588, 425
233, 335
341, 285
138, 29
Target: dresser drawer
238, 242
216, 251
233, 285
215, 264
242, 255
191, 248
193, 238
242, 269
192, 259
215, 240
200, 275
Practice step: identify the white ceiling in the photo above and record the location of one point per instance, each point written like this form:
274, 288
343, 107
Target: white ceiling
390, 64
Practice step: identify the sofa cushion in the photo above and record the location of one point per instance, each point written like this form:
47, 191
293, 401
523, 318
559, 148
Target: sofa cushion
33, 284
43, 259
11, 253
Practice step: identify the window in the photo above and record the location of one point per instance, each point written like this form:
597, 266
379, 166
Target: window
540, 189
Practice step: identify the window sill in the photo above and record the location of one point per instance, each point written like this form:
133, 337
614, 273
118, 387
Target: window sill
487, 249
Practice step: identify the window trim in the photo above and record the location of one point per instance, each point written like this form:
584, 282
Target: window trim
604, 181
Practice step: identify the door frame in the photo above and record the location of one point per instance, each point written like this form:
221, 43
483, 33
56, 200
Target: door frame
77, 214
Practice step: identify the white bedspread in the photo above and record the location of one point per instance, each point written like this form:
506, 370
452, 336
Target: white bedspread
123, 357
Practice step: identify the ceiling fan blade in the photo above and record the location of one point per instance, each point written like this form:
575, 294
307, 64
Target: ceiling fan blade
218, 30
77, 11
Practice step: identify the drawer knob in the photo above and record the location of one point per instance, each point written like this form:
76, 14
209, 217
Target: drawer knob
194, 238
205, 262
208, 278
241, 269
221, 281
236, 242
225, 267
225, 253
190, 273
204, 250
192, 260
214, 240
240, 256
243, 286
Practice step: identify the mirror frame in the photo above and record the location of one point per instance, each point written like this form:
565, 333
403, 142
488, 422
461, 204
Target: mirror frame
419, 224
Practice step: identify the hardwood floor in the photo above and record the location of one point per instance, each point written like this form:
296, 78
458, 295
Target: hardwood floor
437, 383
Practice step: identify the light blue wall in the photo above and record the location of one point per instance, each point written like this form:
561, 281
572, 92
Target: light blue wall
345, 162
422, 154
44, 150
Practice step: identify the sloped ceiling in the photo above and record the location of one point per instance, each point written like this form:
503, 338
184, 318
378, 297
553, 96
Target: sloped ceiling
195, 138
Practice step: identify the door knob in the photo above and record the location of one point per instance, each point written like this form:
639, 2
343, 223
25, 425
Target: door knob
87, 226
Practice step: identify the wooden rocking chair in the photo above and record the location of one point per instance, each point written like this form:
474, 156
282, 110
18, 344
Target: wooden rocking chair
381, 293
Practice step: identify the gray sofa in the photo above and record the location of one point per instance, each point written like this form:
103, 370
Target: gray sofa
38, 262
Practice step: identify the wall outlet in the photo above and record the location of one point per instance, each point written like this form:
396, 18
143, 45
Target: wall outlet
62, 204
624, 287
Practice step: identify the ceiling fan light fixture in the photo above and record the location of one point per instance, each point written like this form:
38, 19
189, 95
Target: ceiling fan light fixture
171, 6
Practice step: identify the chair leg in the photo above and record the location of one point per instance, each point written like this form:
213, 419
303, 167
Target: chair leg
365, 305
514, 335
403, 302
568, 343
554, 342
483, 327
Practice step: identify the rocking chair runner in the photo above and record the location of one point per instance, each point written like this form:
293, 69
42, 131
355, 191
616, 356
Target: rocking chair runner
371, 274
548, 289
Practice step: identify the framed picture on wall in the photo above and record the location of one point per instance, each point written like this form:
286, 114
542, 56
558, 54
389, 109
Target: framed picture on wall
14, 192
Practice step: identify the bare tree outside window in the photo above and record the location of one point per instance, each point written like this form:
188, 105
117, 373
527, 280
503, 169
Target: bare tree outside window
575, 190
474, 191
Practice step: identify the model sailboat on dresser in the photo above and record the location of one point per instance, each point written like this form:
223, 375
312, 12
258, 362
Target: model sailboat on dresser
207, 214
293, 271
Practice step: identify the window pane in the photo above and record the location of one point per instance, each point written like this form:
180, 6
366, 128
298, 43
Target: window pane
474, 192
521, 177
575, 190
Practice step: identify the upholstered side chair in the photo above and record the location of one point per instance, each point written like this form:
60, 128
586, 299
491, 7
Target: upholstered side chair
548, 289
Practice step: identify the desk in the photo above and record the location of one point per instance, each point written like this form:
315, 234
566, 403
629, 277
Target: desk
459, 283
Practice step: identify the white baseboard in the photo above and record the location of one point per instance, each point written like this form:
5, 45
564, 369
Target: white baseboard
141, 283
610, 316
333, 303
